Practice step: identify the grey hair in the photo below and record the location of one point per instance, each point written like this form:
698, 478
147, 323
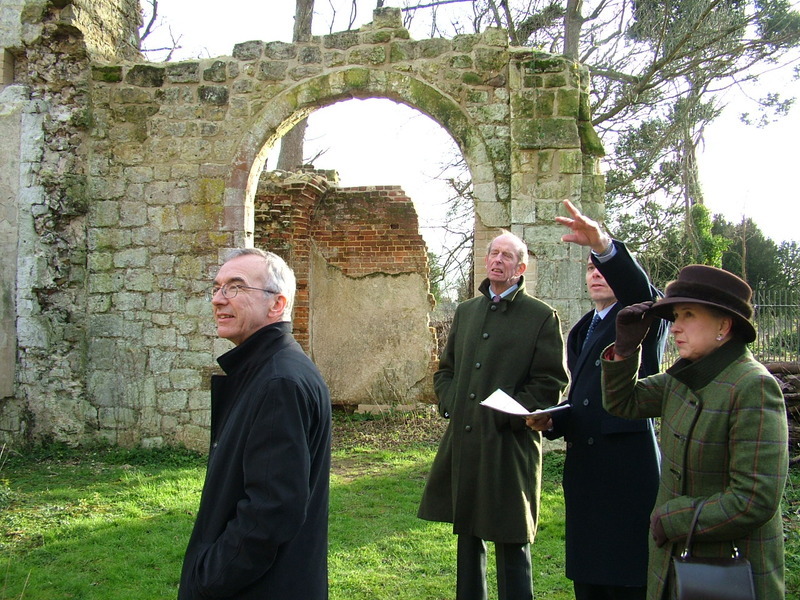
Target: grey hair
277, 275
520, 246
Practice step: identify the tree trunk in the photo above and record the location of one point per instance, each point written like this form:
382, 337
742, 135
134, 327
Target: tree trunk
291, 155
573, 21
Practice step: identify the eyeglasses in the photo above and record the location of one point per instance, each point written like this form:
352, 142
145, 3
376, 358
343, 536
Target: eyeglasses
231, 290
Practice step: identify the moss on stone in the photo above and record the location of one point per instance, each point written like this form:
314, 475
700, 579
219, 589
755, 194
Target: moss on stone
107, 73
590, 141
534, 134
568, 102
490, 59
545, 103
145, 76
376, 37
471, 78
357, 78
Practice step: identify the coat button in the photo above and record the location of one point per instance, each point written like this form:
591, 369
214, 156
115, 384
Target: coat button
597, 363
493, 307
590, 441
477, 365
586, 402
486, 336
569, 444
472, 396
215, 444
468, 428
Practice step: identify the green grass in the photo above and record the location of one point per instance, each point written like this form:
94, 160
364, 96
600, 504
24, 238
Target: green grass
110, 524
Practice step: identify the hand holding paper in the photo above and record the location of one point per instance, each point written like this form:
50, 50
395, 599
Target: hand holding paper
499, 400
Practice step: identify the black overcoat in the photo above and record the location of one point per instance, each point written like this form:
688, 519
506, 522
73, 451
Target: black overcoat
612, 464
485, 479
262, 527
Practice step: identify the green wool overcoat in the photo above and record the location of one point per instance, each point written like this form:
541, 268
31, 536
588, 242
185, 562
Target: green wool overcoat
486, 477
723, 439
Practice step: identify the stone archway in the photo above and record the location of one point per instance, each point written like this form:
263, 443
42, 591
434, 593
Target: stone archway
164, 160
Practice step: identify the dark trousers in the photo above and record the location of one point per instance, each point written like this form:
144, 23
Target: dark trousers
586, 591
513, 561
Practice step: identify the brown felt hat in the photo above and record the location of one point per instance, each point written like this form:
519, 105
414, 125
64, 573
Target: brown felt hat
713, 287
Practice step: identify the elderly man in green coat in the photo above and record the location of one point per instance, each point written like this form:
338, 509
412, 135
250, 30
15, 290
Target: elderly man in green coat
486, 476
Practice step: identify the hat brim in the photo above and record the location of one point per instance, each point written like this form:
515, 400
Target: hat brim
663, 308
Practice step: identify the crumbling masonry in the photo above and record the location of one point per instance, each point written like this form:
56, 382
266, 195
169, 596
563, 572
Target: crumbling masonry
122, 182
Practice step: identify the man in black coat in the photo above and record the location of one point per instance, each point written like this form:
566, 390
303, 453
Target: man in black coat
262, 527
612, 464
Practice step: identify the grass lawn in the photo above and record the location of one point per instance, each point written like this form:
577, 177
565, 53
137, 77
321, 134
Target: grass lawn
110, 524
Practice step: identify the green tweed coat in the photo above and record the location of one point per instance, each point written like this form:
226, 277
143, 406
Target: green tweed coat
723, 438
486, 477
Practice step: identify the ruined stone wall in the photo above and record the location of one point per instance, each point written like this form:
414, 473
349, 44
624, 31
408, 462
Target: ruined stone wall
134, 178
363, 313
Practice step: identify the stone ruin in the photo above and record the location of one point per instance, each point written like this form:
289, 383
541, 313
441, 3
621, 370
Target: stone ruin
123, 182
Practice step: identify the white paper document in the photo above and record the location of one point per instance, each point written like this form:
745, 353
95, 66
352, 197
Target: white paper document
499, 400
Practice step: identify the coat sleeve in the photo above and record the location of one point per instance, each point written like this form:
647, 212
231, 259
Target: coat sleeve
757, 468
631, 285
627, 396
443, 377
277, 468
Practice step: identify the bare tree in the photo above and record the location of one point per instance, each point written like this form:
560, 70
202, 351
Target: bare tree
153, 23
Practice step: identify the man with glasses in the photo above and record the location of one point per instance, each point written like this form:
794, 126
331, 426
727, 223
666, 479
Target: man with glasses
262, 527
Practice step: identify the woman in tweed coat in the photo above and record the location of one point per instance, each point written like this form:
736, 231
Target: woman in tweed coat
723, 427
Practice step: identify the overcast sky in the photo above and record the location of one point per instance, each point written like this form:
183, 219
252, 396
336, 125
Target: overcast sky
744, 170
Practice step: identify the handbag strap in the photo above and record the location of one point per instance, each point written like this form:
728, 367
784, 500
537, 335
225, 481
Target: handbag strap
687, 550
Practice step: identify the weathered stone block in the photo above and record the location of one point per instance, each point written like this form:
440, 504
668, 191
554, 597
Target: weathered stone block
248, 50
568, 102
310, 55
184, 379
213, 94
376, 37
570, 161
545, 133
172, 402
216, 72
387, 16
142, 281
104, 214
340, 41
107, 73
280, 51
145, 76
185, 72
491, 60
270, 70
367, 56
104, 283
305, 72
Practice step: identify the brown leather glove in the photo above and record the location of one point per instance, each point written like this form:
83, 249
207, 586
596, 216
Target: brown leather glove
633, 323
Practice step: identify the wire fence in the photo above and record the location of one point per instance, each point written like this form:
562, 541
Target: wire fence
777, 321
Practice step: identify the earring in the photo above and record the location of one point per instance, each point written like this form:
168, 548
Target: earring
719, 337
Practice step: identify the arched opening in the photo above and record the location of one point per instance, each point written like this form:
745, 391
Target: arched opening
364, 295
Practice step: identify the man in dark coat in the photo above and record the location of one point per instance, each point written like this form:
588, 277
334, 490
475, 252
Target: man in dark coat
612, 464
262, 527
485, 479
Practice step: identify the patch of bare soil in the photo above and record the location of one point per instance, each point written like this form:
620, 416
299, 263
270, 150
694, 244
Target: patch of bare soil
392, 431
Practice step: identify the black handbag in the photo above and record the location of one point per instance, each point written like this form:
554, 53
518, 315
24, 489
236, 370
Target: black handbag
711, 578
